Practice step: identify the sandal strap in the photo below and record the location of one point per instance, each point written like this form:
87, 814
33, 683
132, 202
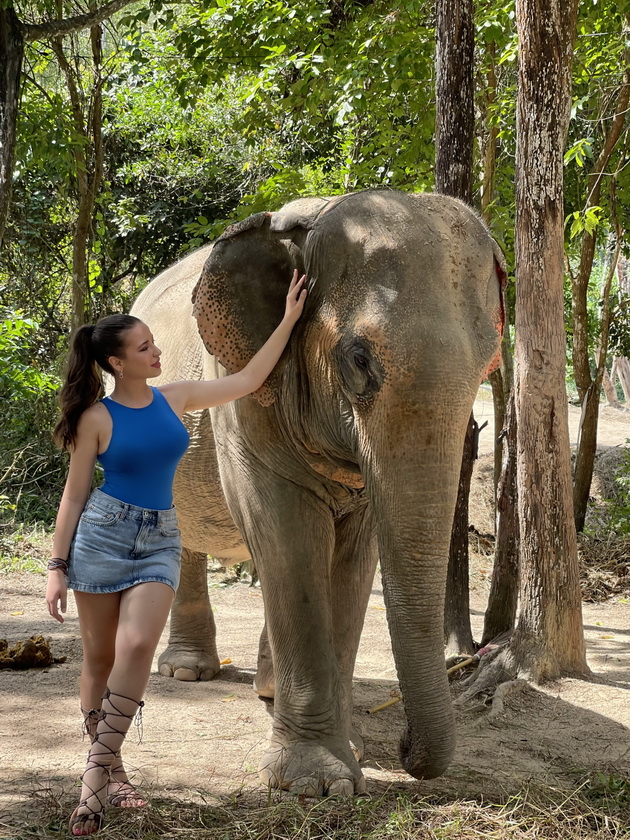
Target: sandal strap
97, 812
116, 711
91, 718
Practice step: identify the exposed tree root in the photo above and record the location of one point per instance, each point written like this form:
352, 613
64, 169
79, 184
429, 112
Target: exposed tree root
495, 668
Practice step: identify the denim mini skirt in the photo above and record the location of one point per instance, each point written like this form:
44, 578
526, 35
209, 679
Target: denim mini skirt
117, 546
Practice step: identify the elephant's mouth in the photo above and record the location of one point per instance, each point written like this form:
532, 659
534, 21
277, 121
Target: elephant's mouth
339, 470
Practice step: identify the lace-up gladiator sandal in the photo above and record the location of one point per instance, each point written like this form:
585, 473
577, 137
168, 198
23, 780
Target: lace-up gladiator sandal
114, 721
90, 722
120, 793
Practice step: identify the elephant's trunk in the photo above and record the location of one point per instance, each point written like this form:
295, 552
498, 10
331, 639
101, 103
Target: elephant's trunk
413, 486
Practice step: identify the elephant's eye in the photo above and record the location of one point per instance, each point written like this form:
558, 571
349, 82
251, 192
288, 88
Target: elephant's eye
361, 373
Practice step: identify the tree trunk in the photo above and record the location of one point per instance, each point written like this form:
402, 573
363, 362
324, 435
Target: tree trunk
609, 386
490, 146
11, 55
500, 388
454, 135
13, 35
503, 598
88, 155
549, 640
588, 388
581, 354
587, 438
502, 601
499, 404
457, 631
622, 367
454, 89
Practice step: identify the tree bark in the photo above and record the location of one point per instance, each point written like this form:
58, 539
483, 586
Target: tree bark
66, 26
457, 630
454, 136
499, 404
549, 640
502, 601
454, 88
11, 56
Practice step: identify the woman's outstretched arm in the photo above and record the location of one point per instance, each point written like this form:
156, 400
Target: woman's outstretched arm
190, 396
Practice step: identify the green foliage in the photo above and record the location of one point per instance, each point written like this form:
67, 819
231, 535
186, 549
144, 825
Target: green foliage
24, 549
583, 220
216, 109
598, 70
29, 464
347, 100
19, 377
619, 337
605, 788
619, 505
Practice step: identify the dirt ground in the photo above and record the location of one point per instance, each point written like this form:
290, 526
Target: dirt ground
204, 740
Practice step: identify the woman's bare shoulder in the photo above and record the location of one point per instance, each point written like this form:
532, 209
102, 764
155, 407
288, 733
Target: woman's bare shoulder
93, 418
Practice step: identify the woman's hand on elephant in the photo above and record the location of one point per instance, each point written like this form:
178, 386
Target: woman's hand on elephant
296, 296
191, 395
57, 594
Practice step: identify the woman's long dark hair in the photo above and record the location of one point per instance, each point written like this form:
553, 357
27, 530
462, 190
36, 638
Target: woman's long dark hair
90, 349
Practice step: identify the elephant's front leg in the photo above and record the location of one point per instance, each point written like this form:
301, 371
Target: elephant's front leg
292, 542
354, 564
192, 651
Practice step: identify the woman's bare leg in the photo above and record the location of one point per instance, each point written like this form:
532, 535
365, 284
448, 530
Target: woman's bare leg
143, 613
141, 616
98, 620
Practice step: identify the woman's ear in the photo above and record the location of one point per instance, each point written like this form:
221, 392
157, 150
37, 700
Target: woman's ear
116, 364
240, 297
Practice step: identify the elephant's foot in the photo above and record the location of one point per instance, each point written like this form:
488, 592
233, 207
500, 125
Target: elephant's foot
325, 768
185, 662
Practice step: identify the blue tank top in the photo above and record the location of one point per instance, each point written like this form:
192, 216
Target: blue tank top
146, 447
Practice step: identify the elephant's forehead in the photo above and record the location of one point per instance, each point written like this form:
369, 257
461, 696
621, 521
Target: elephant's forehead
326, 329
379, 301
377, 336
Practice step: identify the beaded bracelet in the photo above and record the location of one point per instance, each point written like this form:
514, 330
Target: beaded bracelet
58, 563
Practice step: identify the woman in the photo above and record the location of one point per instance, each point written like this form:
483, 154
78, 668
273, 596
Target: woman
119, 550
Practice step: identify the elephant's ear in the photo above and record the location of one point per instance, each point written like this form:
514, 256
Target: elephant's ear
240, 297
500, 268
301, 213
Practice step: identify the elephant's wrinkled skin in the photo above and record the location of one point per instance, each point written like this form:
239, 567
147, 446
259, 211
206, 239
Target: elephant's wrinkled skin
351, 451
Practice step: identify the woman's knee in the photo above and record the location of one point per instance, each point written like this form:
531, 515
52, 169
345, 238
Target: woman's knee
98, 663
135, 647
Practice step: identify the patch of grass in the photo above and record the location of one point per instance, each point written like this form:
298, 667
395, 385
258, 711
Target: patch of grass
24, 550
530, 815
609, 790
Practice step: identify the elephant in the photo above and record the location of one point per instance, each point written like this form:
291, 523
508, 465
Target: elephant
348, 455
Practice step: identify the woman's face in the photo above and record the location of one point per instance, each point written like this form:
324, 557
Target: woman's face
141, 356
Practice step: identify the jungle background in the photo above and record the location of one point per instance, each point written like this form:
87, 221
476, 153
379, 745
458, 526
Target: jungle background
139, 139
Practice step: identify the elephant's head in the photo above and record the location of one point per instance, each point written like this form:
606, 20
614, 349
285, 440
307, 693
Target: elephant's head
402, 322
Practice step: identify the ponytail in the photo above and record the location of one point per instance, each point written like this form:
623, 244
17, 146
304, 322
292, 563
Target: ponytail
90, 350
